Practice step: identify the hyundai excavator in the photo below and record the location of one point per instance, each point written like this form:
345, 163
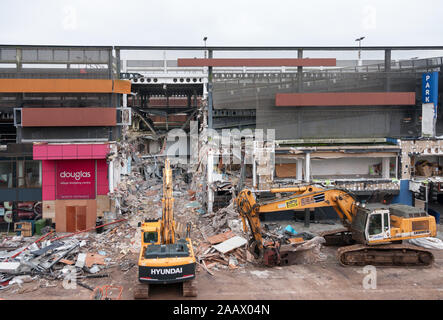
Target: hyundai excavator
163, 258
371, 234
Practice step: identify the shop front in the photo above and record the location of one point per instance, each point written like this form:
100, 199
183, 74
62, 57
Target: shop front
75, 184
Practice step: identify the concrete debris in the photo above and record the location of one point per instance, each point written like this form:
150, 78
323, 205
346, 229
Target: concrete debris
309, 252
94, 269
81, 259
428, 243
230, 244
9, 267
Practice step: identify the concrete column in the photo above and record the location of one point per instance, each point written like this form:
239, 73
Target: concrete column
388, 69
210, 170
18, 59
210, 92
40, 174
111, 176
308, 167
299, 169
385, 167
300, 72
428, 120
254, 173
125, 100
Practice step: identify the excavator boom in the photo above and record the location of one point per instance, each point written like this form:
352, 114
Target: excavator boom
167, 230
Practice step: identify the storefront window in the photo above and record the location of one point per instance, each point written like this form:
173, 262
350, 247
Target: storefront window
20, 174
6, 174
33, 175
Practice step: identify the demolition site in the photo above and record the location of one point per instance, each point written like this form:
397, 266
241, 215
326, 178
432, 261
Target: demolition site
162, 172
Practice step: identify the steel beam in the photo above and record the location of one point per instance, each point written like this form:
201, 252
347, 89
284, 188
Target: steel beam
344, 99
235, 62
279, 48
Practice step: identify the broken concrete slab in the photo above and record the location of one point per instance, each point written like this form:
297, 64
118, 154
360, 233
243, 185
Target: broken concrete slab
94, 269
230, 244
9, 267
81, 258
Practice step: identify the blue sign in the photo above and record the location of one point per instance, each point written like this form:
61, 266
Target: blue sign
429, 91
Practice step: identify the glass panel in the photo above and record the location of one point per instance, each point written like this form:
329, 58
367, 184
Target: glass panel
375, 224
33, 174
150, 237
386, 221
6, 175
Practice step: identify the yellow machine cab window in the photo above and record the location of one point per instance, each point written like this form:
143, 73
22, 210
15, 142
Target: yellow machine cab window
150, 237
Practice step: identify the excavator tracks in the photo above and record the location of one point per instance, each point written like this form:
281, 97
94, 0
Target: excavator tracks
189, 289
141, 291
392, 255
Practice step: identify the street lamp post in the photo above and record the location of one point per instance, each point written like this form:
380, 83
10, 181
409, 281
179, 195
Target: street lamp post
359, 50
204, 39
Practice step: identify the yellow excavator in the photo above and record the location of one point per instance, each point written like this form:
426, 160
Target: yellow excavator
163, 258
371, 234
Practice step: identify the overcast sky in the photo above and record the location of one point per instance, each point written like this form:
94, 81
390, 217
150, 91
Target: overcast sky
228, 22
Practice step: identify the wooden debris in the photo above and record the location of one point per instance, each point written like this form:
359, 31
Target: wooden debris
295, 240
218, 238
93, 258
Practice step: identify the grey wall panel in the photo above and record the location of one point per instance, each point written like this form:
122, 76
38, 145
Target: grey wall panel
64, 133
30, 194
17, 194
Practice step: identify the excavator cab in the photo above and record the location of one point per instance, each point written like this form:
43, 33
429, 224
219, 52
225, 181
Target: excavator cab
371, 226
378, 226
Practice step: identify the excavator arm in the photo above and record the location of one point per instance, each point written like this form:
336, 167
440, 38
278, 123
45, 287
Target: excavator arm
248, 210
342, 201
167, 228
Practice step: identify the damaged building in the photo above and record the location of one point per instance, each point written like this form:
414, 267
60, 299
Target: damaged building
87, 130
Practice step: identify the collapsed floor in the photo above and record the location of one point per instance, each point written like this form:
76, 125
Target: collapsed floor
41, 268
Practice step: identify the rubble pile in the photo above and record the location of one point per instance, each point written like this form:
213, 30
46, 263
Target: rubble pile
54, 260
27, 264
223, 220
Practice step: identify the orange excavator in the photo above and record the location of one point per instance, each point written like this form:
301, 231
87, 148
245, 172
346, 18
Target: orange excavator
371, 235
163, 257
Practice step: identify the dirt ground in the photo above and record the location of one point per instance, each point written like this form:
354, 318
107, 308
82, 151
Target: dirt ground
325, 280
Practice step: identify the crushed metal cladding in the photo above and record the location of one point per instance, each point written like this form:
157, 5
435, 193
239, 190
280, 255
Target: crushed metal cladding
29, 263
